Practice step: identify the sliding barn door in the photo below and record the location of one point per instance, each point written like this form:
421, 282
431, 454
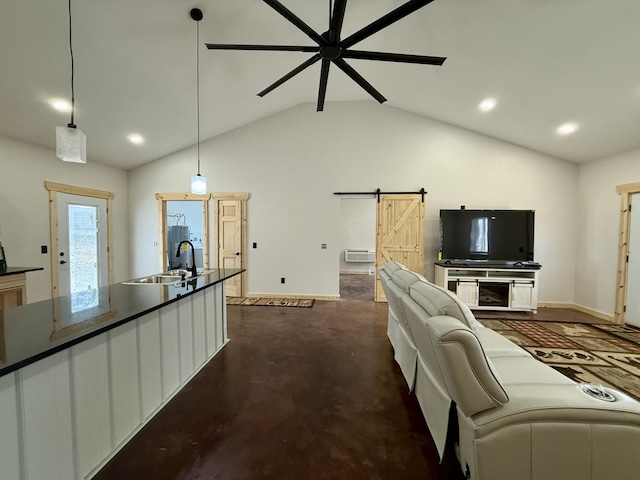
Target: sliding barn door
399, 234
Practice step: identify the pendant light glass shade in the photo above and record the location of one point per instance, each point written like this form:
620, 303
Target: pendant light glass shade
71, 144
198, 184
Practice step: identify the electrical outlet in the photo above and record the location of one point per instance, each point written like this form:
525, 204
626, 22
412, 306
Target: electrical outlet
323, 246
281, 279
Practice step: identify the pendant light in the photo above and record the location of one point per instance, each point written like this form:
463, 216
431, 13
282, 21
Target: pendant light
71, 142
198, 182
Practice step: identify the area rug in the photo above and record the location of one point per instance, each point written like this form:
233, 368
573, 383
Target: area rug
596, 353
271, 302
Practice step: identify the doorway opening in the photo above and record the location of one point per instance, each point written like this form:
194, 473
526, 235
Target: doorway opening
184, 223
357, 233
182, 216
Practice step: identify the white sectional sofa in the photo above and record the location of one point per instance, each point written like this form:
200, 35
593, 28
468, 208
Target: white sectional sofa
515, 417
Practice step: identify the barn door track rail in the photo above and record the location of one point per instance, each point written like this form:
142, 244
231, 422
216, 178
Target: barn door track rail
378, 192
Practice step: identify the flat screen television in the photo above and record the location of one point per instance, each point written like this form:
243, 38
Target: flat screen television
500, 236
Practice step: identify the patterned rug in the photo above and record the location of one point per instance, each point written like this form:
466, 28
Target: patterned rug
608, 354
271, 302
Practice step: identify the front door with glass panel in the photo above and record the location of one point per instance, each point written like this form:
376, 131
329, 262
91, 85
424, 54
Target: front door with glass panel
82, 243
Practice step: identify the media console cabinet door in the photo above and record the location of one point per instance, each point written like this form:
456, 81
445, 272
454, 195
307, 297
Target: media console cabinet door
399, 234
522, 295
467, 291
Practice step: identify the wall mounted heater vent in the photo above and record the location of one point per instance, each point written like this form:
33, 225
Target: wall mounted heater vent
362, 256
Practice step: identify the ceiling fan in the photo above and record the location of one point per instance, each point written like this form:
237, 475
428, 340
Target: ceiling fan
332, 49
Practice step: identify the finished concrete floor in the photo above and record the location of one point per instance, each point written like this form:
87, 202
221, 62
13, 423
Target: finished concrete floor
297, 393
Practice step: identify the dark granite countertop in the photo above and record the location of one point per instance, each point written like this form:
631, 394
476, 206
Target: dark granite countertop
34, 331
17, 270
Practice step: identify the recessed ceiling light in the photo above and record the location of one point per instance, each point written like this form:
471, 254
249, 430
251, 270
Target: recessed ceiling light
136, 138
487, 104
61, 105
567, 128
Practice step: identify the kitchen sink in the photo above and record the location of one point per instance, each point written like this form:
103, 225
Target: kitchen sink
187, 273
163, 278
167, 278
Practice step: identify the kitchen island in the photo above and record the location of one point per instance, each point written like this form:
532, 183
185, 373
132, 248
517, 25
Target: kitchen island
81, 374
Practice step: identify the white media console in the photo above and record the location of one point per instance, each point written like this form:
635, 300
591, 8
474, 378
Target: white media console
491, 288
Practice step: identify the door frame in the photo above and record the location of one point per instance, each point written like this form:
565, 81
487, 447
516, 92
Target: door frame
625, 191
55, 188
163, 198
243, 197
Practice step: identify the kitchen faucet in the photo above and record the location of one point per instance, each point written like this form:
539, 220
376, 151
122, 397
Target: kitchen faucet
194, 271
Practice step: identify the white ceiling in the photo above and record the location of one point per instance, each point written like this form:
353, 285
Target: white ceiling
546, 62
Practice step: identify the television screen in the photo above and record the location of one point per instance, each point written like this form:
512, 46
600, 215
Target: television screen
487, 235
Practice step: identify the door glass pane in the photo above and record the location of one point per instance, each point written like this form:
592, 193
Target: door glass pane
83, 256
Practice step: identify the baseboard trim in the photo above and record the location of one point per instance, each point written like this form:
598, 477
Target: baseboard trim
300, 297
580, 308
350, 272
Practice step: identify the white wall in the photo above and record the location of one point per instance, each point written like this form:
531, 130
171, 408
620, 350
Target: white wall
24, 208
357, 230
599, 216
292, 163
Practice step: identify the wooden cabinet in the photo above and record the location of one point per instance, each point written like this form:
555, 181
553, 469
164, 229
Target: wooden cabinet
13, 291
483, 288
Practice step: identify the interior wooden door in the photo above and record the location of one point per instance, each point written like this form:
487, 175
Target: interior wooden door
231, 242
399, 234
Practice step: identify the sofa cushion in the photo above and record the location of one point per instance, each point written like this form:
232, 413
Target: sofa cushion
495, 345
527, 371
391, 267
405, 278
439, 301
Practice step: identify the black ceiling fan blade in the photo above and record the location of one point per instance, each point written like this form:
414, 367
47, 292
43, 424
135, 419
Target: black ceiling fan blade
393, 57
337, 17
356, 77
272, 48
324, 77
293, 18
384, 21
291, 74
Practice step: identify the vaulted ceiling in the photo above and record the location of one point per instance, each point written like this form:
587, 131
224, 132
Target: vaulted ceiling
544, 62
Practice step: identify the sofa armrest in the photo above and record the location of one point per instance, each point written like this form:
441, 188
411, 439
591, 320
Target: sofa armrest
470, 378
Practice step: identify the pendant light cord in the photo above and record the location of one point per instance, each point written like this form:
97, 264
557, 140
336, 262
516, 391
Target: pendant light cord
197, 87
73, 94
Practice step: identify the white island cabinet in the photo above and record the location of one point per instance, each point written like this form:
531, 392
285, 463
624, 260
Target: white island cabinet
80, 376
